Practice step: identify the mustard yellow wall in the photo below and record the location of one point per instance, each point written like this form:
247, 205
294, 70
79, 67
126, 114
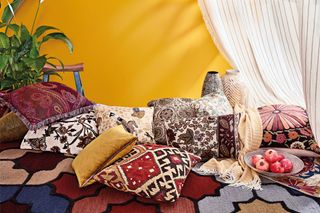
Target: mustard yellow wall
133, 50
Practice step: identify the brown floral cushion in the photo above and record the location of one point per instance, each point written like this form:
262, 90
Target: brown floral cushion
287, 126
137, 121
65, 136
207, 137
150, 171
176, 108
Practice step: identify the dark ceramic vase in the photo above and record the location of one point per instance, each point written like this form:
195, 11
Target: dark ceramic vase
212, 83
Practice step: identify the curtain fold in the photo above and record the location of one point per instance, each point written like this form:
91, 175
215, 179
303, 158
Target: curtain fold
276, 46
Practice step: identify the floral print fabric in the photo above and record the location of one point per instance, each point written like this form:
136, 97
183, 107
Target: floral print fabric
43, 103
287, 126
214, 104
207, 137
66, 136
137, 121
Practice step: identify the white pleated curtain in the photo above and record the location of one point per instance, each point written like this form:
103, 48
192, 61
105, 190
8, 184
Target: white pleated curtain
276, 46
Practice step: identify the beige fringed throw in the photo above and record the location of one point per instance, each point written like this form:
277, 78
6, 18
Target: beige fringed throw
236, 172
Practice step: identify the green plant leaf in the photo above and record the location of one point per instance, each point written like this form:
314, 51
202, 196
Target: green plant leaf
61, 37
6, 84
36, 63
15, 28
7, 13
4, 40
42, 29
24, 34
14, 41
34, 52
51, 64
53, 72
3, 61
57, 59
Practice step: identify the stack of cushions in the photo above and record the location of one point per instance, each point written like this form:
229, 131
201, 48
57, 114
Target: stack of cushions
47, 109
152, 171
287, 126
117, 145
136, 120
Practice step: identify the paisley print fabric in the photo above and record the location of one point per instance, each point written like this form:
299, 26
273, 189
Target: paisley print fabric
207, 137
65, 136
287, 126
213, 104
150, 171
43, 103
137, 121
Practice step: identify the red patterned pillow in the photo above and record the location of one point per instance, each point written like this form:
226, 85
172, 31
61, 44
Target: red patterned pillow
287, 126
43, 103
151, 171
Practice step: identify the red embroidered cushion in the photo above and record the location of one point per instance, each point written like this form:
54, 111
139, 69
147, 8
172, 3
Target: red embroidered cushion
151, 171
43, 103
287, 126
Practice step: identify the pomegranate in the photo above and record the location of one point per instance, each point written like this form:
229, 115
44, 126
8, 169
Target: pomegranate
262, 165
271, 155
276, 167
287, 165
280, 157
255, 159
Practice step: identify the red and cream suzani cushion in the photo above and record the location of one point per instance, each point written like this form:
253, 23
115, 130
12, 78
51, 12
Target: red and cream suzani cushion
287, 126
152, 171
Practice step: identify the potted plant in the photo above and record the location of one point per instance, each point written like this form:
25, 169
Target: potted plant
20, 60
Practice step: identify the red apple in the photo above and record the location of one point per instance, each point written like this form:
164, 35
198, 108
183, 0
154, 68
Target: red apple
262, 165
255, 159
280, 157
287, 165
271, 155
276, 167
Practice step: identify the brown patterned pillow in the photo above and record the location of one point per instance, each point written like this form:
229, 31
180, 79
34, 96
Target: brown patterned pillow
136, 120
177, 108
207, 137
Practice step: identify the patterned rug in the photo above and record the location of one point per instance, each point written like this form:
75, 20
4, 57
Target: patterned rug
44, 182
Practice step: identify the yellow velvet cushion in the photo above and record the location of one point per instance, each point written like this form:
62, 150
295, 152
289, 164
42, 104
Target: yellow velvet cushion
11, 128
108, 147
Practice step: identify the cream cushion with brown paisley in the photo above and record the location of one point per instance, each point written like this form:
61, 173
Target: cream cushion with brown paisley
214, 104
137, 120
207, 136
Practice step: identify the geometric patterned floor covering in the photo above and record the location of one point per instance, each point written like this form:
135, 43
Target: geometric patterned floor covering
44, 182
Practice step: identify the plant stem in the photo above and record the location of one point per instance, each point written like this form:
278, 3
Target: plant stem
35, 17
